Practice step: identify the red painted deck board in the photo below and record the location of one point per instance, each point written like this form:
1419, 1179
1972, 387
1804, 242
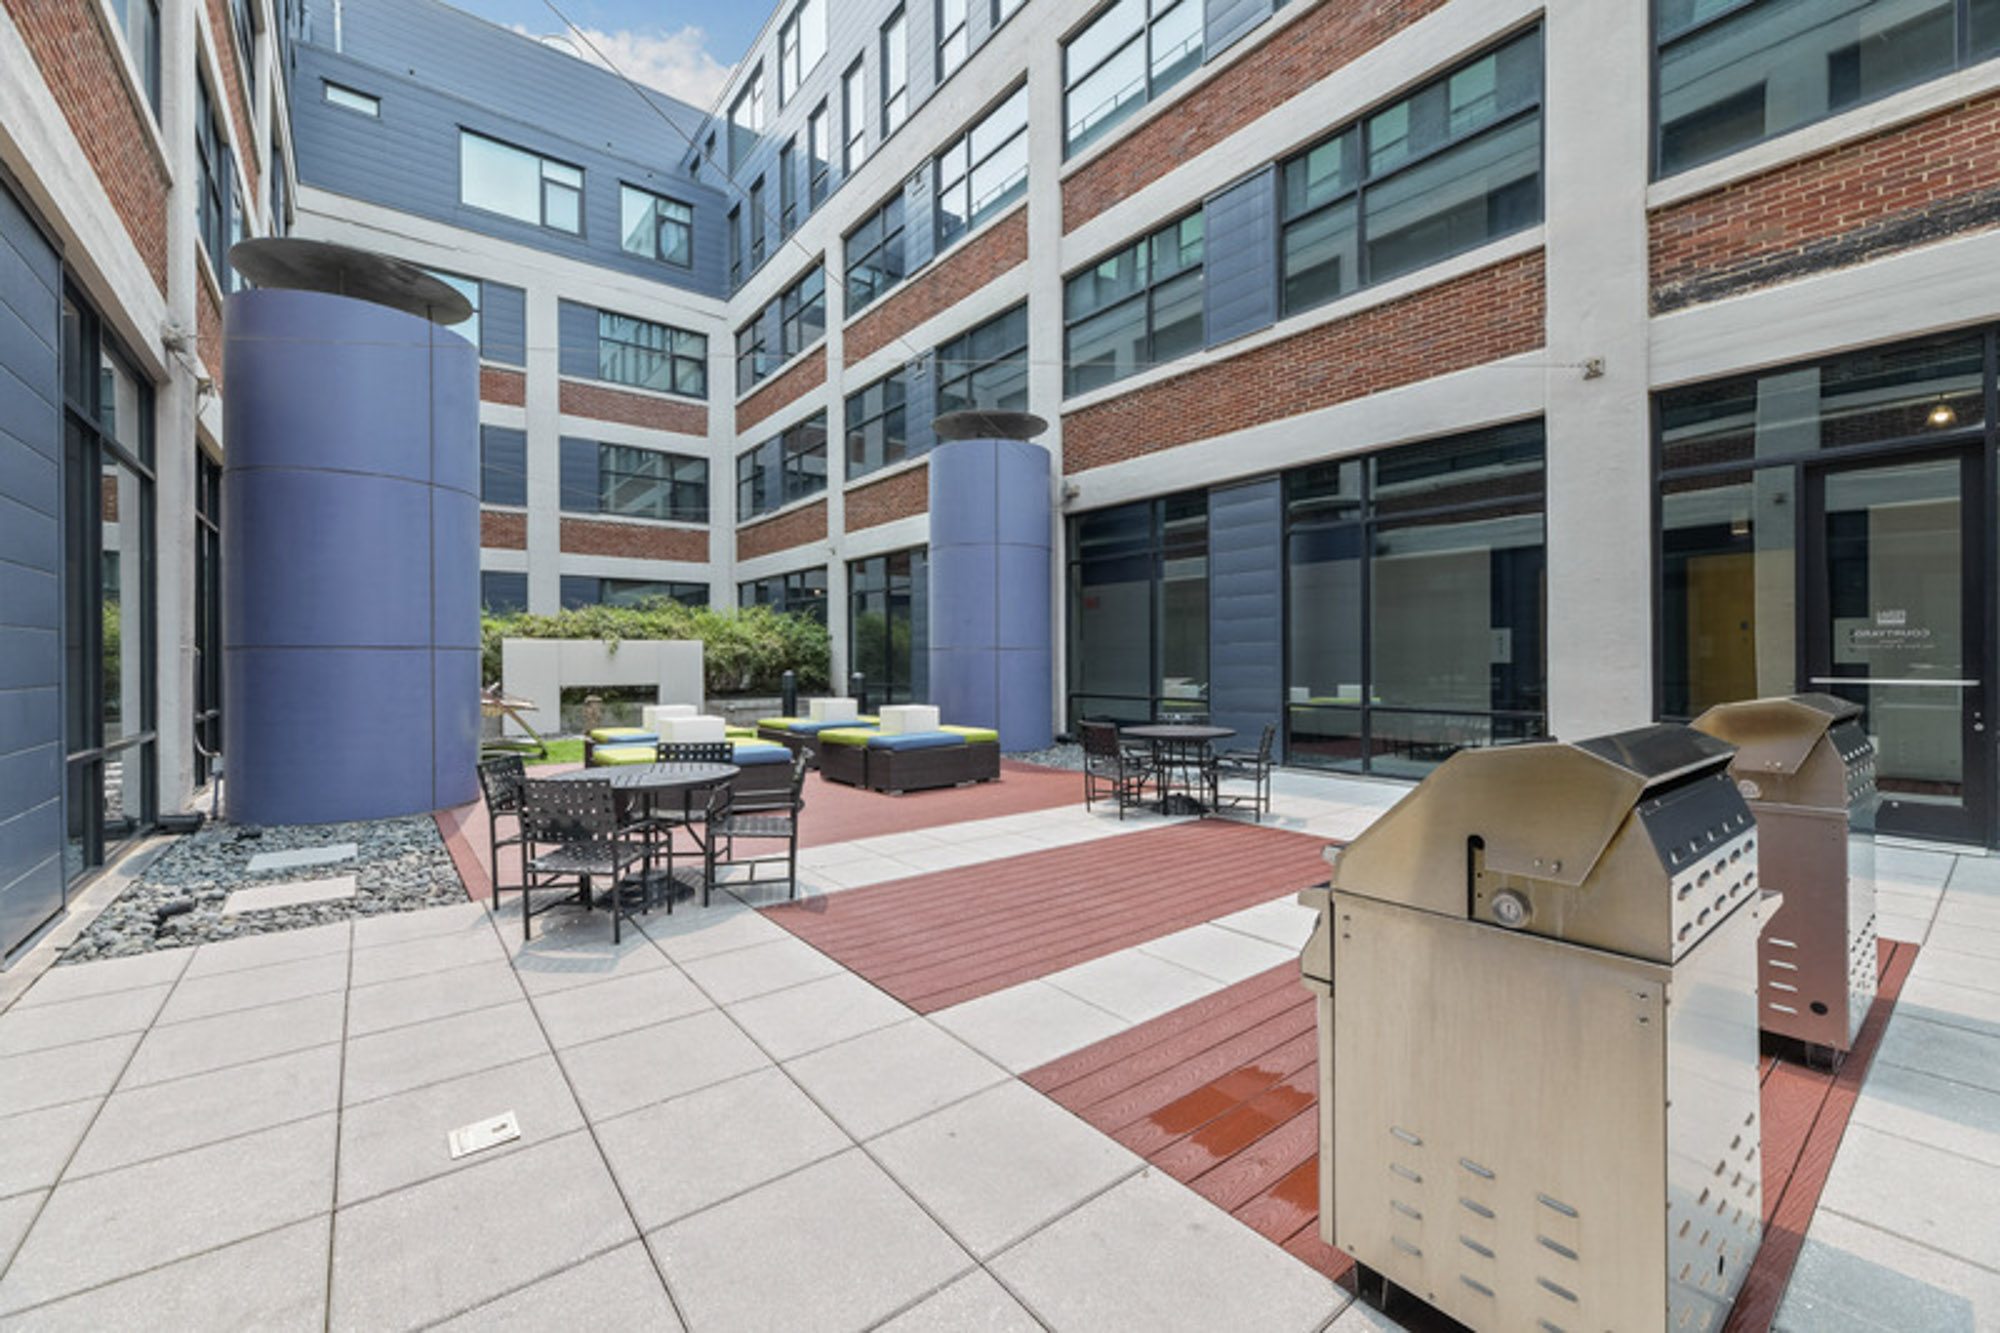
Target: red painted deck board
937, 940
1223, 1095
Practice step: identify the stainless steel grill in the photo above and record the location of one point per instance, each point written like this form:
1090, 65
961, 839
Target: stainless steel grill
1538, 1037
1807, 769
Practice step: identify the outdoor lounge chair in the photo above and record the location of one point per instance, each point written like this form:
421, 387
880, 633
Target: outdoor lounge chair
572, 832
1111, 768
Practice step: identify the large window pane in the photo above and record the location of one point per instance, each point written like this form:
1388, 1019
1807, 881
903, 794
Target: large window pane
1455, 201
1728, 610
500, 178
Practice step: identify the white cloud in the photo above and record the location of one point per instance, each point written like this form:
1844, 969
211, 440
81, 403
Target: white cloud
676, 63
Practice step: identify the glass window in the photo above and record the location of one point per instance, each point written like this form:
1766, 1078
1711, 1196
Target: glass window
645, 483
750, 353
207, 614
736, 246
801, 44
895, 73
1124, 58
366, 103
1453, 165
987, 367
853, 118
875, 254
819, 160
1138, 586
757, 221
801, 593
646, 355
984, 169
951, 42
746, 118
790, 466
1134, 309
1004, 10
655, 227
469, 288
585, 590
503, 592
888, 638
790, 70
503, 465
280, 202
802, 313
516, 183
875, 425
212, 154
788, 190
1733, 75
140, 21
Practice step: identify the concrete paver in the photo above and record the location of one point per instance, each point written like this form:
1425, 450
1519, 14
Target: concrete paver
1855, 1277
874, 1082
759, 969
251, 987
72, 1021
63, 1073
176, 1050
651, 1064
818, 1013
975, 1301
410, 1000
385, 1063
617, 1290
36, 1145
1028, 1025
263, 950
575, 1015
1134, 984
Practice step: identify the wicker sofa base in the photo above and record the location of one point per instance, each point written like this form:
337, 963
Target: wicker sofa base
896, 771
845, 764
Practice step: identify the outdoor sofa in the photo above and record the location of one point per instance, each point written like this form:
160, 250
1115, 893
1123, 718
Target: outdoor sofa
909, 761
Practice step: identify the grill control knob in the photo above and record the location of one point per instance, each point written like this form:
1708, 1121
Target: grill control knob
1510, 909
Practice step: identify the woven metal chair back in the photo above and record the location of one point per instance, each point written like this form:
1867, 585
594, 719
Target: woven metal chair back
1264, 745
500, 781
569, 811
800, 763
695, 752
1100, 739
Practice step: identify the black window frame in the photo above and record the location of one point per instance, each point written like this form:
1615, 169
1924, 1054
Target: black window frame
786, 461
547, 187
1147, 293
876, 418
958, 364
664, 213
881, 253
799, 592
956, 169
1153, 84
682, 352
681, 479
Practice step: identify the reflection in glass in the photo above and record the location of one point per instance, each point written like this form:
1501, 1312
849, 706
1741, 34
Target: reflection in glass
1728, 601
888, 625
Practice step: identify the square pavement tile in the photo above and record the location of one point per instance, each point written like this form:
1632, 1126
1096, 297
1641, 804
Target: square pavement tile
1918, 1192
63, 1073
1281, 922
1965, 909
36, 1145
204, 997
1133, 984
299, 858
651, 1064
449, 1244
48, 1025
1943, 1050
1937, 1111
121, 1223
834, 1247
79, 980
676, 1157
398, 1141
17, 1214
577, 951
618, 1290
1027, 1025
278, 946
184, 1113
1853, 1278
1227, 956
1975, 877
1957, 937
444, 1048
803, 1018
202, 1044
889, 1077
759, 969
419, 999
975, 1301
1917, 867
210, 1290
1946, 1002
581, 1014
697, 932
1150, 1253
1957, 968
400, 927
428, 953
1000, 1164
294, 893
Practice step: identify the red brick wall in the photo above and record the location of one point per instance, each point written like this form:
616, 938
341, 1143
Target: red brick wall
1303, 53
1480, 317
901, 496
930, 293
633, 409
802, 525
208, 332
1896, 190
801, 378
636, 541
502, 531
79, 63
236, 95
503, 386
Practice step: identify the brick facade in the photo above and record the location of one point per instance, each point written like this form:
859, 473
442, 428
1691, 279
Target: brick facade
1483, 316
208, 331
580, 399
1291, 62
79, 63
503, 531
794, 528
1896, 190
1002, 247
787, 387
904, 495
502, 386
634, 541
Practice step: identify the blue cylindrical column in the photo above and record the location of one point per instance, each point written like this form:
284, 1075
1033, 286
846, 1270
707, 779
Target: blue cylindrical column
350, 560
991, 518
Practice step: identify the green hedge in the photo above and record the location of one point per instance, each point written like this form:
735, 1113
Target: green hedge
744, 651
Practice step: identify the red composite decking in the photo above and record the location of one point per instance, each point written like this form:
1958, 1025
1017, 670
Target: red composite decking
1222, 1094
940, 939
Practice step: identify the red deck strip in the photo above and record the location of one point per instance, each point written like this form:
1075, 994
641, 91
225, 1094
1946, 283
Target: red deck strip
1215, 1096
936, 940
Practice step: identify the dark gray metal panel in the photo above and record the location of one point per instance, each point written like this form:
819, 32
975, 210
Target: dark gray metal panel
919, 221
576, 332
1223, 21
579, 475
1240, 268
31, 826
503, 323
1246, 590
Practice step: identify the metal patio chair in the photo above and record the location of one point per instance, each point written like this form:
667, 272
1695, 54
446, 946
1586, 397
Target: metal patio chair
1239, 765
572, 831
769, 818
1113, 769
500, 781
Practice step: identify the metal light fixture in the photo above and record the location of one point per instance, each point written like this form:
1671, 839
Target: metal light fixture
1942, 415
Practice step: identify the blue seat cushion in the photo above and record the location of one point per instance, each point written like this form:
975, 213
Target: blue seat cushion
916, 740
760, 752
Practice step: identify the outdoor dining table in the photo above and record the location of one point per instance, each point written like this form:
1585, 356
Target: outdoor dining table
643, 787
1179, 748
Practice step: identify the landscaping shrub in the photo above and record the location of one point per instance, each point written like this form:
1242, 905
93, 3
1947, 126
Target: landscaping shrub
744, 650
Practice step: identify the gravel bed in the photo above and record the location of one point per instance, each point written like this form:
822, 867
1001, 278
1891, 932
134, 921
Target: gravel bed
400, 865
1063, 754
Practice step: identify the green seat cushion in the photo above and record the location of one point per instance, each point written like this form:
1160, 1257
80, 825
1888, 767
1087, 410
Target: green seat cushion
974, 735
612, 735
850, 736
606, 755
739, 733
780, 723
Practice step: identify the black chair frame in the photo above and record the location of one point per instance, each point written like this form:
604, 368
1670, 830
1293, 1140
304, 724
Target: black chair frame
574, 831
1111, 769
769, 818
500, 782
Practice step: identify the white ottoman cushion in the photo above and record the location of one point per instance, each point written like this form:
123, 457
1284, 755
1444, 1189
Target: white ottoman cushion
679, 729
899, 719
834, 710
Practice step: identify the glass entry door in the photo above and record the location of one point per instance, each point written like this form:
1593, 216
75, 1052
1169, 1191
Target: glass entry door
1894, 623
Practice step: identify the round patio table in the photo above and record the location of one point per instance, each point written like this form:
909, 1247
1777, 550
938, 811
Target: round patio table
1179, 747
647, 784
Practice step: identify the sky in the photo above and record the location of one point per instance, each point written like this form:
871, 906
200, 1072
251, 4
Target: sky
678, 46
